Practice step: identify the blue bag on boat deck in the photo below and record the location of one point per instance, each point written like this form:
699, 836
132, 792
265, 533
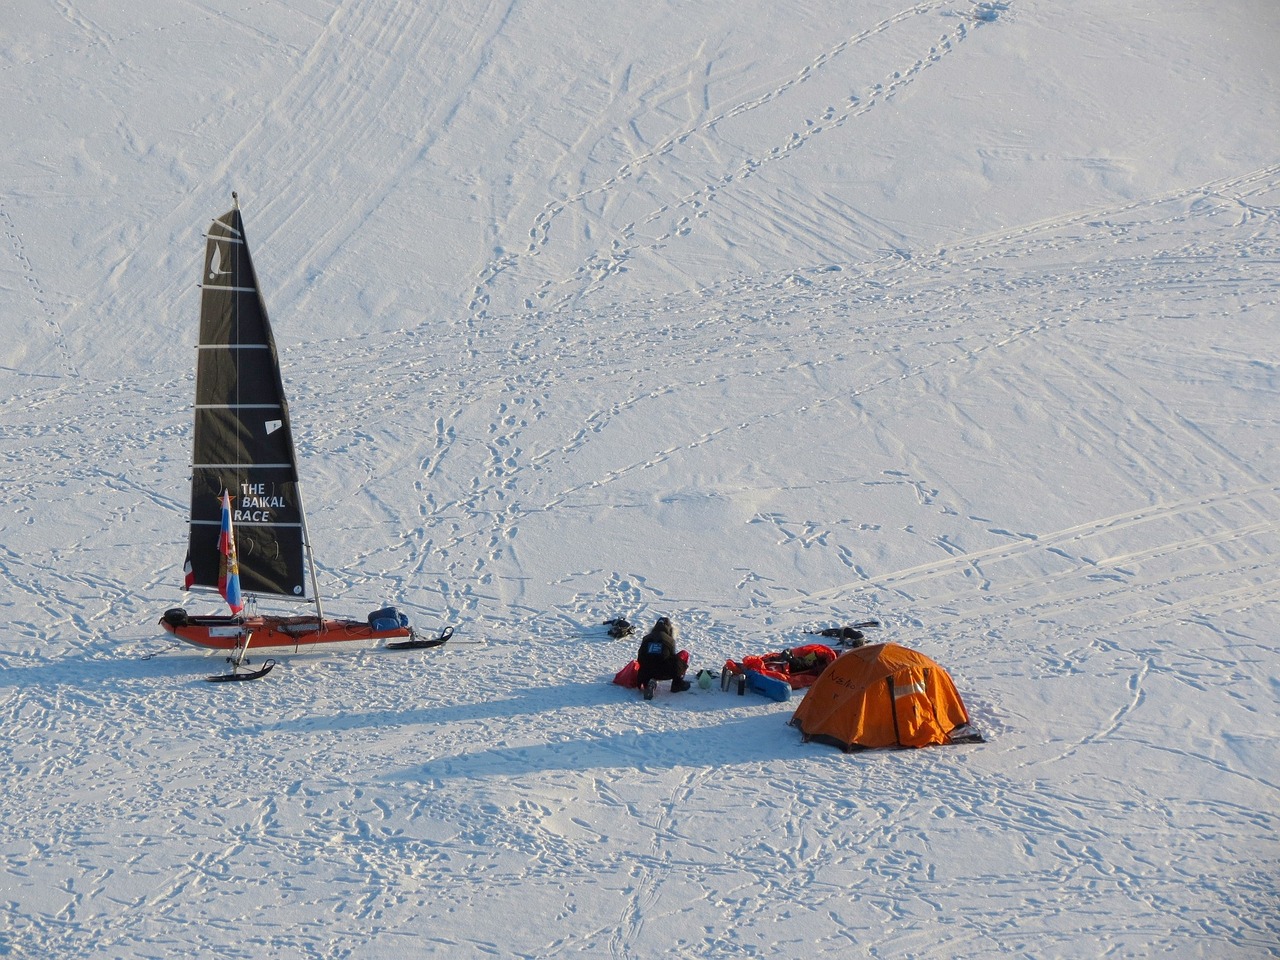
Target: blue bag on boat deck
388, 618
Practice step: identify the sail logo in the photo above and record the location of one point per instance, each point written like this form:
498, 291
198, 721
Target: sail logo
215, 264
273, 426
256, 505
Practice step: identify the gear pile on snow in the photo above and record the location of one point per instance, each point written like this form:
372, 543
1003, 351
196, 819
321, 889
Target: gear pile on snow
619, 628
799, 667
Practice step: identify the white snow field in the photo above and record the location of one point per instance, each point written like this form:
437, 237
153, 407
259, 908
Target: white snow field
766, 316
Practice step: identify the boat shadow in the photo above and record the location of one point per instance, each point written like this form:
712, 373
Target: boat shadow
88, 670
722, 728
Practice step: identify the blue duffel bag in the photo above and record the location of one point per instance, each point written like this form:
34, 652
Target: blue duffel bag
388, 618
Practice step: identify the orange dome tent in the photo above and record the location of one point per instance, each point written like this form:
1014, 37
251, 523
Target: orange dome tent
884, 696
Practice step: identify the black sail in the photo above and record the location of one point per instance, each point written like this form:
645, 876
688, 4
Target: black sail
243, 442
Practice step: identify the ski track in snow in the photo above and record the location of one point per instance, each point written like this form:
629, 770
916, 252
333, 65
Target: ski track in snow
1044, 453
683, 213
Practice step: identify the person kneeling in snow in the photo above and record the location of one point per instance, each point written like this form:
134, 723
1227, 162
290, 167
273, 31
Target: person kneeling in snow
659, 659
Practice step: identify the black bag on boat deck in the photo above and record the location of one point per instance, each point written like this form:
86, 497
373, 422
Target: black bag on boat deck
388, 618
176, 617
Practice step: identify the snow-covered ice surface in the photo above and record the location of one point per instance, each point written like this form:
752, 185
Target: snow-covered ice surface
764, 316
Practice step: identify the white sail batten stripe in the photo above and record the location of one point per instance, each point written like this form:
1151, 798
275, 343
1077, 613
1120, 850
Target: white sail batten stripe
218, 286
241, 523
239, 406
234, 236
240, 466
232, 346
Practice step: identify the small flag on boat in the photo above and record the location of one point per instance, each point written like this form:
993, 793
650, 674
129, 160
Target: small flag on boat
228, 565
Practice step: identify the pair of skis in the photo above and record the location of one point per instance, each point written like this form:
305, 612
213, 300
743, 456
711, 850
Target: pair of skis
850, 636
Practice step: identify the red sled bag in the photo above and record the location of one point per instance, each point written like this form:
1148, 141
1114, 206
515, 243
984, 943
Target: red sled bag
628, 676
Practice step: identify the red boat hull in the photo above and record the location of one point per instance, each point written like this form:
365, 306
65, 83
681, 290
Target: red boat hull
228, 633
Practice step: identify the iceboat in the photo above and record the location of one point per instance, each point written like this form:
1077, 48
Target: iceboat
248, 529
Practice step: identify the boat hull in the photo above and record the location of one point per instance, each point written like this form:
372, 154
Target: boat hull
228, 633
